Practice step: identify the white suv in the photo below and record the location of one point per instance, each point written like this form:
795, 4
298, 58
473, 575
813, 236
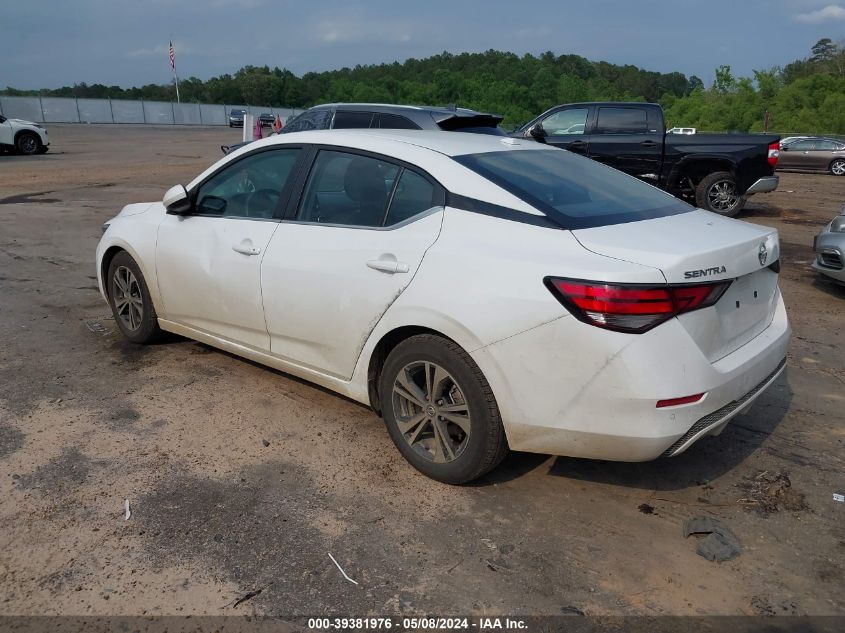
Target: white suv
24, 137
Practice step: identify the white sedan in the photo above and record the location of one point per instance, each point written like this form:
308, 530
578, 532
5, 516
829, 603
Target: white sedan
480, 293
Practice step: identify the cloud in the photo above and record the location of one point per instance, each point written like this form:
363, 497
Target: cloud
830, 12
335, 31
162, 50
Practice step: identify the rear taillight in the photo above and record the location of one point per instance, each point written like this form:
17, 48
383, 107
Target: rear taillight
774, 153
631, 308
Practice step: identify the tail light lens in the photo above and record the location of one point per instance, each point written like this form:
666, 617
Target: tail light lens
774, 153
631, 308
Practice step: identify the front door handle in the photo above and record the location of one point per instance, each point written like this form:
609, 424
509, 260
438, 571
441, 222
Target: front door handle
649, 143
246, 248
388, 265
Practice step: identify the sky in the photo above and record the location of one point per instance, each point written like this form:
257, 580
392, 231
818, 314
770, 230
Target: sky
52, 43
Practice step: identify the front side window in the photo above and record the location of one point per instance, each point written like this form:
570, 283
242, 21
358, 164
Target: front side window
572, 121
574, 191
344, 120
248, 188
801, 146
622, 121
347, 189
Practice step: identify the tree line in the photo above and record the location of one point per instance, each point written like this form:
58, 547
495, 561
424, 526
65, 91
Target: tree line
806, 95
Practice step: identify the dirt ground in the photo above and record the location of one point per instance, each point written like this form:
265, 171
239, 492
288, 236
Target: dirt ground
242, 478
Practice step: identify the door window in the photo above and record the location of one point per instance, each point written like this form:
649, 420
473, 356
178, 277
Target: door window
310, 120
344, 120
414, 194
250, 187
572, 121
622, 121
827, 146
395, 122
802, 146
347, 189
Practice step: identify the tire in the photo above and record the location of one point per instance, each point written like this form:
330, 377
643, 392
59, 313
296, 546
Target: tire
460, 392
136, 318
717, 193
27, 143
837, 167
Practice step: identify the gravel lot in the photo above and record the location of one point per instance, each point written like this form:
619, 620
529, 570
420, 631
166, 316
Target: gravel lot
87, 420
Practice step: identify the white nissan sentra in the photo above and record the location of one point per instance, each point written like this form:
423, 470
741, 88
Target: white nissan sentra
480, 293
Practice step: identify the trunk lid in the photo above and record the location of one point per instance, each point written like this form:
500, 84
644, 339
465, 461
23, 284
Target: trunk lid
700, 247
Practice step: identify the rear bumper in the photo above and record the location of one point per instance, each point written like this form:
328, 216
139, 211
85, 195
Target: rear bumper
763, 185
564, 389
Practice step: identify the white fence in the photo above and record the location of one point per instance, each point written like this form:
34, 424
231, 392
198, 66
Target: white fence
68, 110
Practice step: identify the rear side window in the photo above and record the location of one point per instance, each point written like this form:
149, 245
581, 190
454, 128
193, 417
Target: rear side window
351, 120
573, 191
828, 145
622, 121
347, 189
395, 122
414, 194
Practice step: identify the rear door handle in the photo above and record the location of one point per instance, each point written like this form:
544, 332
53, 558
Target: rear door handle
388, 265
246, 248
649, 144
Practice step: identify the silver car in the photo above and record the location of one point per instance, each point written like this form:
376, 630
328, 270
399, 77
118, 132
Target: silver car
829, 246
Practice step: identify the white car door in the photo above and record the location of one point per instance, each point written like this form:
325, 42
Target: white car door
355, 242
208, 262
7, 136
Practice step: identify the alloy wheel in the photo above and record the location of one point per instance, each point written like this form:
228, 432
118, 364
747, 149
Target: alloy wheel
722, 196
431, 412
28, 145
838, 168
128, 302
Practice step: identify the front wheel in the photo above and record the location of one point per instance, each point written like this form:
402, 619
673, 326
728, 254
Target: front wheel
717, 192
837, 167
28, 143
130, 300
440, 411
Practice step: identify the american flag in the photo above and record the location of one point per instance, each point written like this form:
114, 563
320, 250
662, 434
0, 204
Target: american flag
172, 57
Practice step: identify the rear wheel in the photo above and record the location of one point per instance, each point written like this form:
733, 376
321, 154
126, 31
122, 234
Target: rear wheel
717, 192
440, 411
837, 167
28, 143
130, 301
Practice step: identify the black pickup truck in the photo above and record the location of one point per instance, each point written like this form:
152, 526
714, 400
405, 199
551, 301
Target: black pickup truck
716, 172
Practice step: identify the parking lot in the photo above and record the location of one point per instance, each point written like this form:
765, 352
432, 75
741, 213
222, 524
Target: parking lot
241, 478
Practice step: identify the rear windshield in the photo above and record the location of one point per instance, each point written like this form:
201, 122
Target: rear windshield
574, 191
479, 124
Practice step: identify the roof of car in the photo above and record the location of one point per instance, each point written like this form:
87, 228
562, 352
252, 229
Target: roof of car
437, 141
387, 107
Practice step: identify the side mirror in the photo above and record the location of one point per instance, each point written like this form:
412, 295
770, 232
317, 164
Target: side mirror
2, 119
785, 148
537, 132
176, 200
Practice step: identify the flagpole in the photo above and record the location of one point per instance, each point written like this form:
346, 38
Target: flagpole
173, 66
